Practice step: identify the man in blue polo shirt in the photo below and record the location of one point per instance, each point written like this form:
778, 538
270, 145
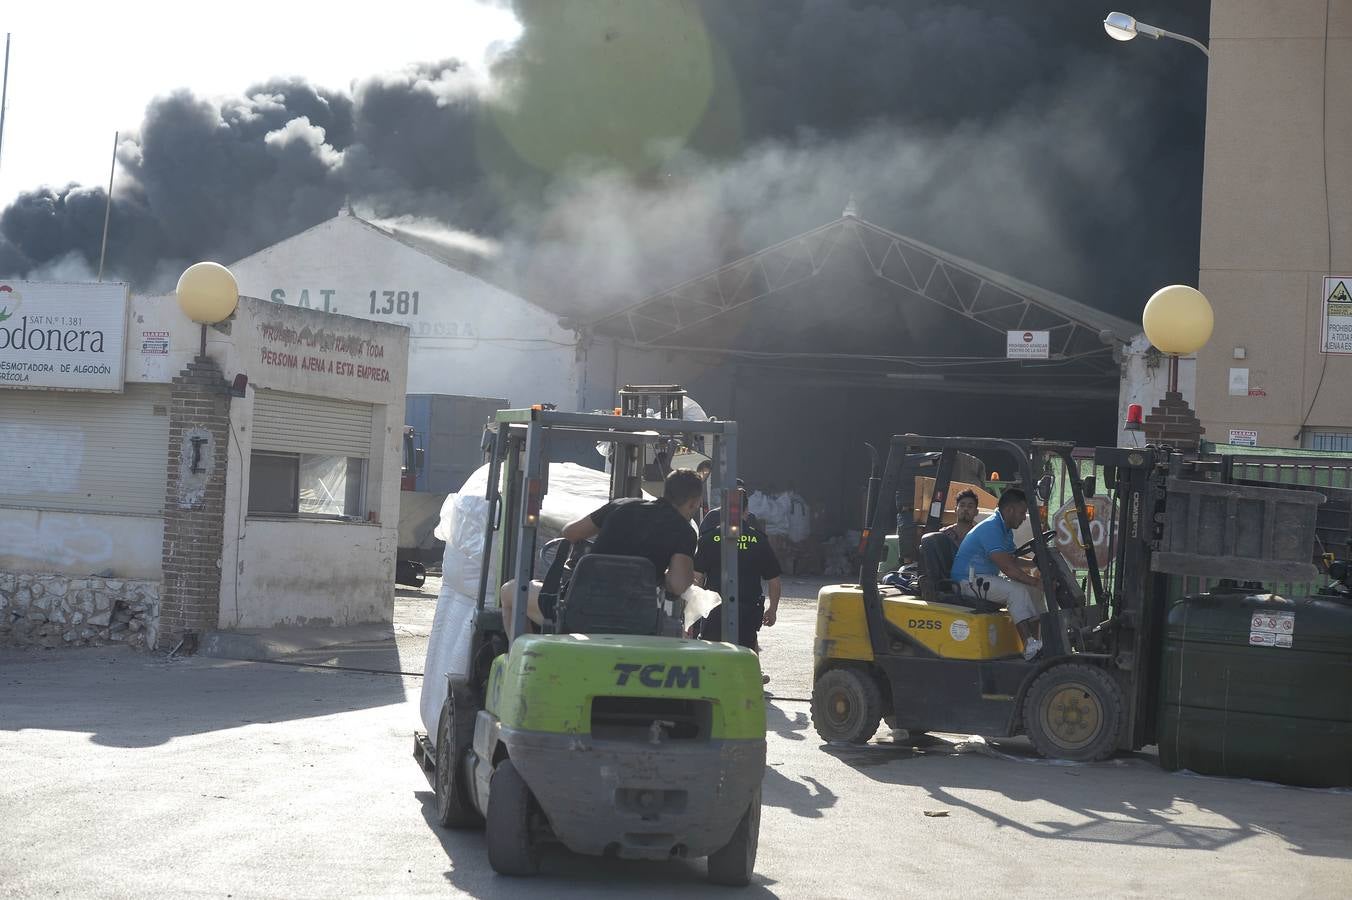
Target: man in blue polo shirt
987, 568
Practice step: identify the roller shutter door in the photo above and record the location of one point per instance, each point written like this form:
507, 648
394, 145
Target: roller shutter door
80, 452
290, 423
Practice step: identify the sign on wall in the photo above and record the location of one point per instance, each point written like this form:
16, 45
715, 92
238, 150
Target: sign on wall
62, 335
1028, 344
424, 314
1070, 539
1243, 437
1337, 307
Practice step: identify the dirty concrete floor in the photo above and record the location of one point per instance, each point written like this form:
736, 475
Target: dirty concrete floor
128, 775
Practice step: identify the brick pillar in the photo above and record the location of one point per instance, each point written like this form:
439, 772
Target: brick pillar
194, 504
1173, 422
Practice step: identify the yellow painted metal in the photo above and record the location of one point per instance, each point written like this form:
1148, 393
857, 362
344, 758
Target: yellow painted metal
952, 632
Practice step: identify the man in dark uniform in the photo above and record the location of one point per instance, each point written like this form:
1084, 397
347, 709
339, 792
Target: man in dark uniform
659, 530
756, 562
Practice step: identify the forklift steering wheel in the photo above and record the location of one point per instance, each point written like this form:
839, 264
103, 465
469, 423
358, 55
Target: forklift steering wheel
1027, 546
1065, 575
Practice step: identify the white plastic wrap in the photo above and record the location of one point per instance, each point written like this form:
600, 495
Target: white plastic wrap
800, 519
699, 603
785, 514
463, 515
574, 491
691, 411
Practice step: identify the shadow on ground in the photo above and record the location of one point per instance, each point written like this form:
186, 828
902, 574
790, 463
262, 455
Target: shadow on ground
563, 873
157, 698
1127, 800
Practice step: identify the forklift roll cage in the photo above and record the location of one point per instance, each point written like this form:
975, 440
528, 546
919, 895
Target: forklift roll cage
909, 456
517, 443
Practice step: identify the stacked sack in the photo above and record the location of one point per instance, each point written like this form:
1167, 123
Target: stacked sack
574, 491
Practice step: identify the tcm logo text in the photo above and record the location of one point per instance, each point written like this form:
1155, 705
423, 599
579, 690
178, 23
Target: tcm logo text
657, 675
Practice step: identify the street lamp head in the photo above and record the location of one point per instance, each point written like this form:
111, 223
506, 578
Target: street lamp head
1120, 26
1178, 319
207, 292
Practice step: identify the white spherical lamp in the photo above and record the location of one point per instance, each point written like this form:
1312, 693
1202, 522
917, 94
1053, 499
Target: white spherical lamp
1178, 319
207, 292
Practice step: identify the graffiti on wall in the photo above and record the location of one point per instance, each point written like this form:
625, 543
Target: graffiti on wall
53, 466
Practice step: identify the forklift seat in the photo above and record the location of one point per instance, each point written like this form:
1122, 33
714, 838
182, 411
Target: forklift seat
610, 595
937, 553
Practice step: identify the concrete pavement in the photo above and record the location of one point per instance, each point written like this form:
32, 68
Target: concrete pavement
125, 775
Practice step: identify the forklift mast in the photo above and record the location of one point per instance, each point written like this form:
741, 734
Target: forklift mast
666, 400
519, 447
1139, 596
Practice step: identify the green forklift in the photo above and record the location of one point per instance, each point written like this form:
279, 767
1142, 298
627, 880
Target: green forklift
609, 732
1176, 640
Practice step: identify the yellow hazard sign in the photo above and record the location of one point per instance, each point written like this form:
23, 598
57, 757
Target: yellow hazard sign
1337, 315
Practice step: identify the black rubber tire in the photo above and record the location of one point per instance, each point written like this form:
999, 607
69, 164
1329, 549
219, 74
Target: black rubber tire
1076, 712
846, 706
735, 863
512, 848
455, 809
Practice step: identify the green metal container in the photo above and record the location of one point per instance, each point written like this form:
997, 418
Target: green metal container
1258, 686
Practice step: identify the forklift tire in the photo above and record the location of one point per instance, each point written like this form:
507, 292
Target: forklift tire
512, 848
846, 706
1074, 711
735, 863
454, 808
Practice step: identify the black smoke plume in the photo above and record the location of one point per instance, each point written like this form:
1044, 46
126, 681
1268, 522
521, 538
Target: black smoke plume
1013, 132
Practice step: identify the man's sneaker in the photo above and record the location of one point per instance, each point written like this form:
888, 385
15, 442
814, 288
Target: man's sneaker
1032, 648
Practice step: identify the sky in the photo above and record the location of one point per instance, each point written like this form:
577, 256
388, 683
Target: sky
72, 88
603, 150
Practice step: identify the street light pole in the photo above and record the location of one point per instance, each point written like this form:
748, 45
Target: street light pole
1178, 321
1122, 27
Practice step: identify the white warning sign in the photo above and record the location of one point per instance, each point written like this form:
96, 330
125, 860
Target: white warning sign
1030, 345
1272, 629
1337, 312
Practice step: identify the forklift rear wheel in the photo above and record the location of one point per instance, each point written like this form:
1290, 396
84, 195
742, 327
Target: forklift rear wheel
512, 848
1074, 711
735, 863
454, 808
846, 706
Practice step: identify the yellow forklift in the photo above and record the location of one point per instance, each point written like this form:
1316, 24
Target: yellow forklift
941, 661
1180, 641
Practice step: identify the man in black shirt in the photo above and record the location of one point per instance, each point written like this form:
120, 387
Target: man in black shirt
756, 562
659, 530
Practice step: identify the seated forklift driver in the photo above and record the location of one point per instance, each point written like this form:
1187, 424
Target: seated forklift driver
659, 530
987, 568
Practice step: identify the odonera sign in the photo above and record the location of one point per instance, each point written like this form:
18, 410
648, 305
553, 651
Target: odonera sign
69, 336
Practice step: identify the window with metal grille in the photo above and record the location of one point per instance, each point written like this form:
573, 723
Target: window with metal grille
1337, 441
